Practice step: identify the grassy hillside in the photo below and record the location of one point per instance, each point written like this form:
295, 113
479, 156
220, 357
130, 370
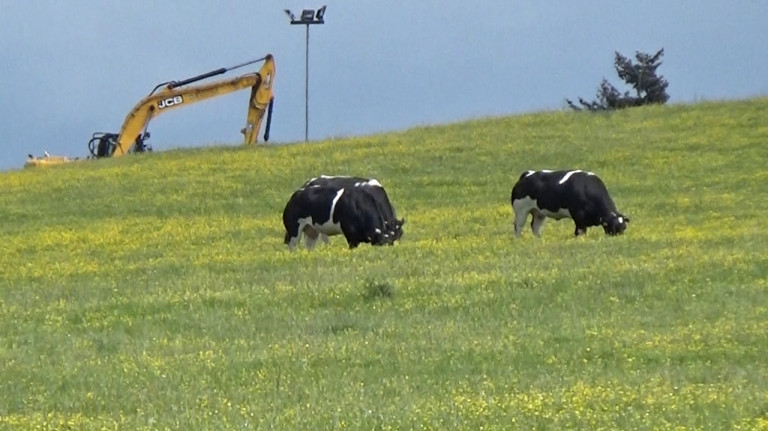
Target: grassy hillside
154, 291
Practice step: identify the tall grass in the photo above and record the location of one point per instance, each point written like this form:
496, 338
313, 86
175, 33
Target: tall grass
154, 291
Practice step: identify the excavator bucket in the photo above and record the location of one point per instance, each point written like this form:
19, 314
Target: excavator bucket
46, 160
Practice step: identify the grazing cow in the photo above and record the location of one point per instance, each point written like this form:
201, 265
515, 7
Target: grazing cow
323, 210
575, 194
392, 225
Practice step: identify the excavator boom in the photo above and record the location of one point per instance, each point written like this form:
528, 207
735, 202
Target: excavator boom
174, 95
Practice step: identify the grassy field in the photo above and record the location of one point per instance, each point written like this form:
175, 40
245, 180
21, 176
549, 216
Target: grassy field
154, 291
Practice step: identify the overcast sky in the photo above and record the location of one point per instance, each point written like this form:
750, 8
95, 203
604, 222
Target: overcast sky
68, 69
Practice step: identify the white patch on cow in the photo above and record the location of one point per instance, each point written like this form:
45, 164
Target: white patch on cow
543, 171
322, 231
335, 201
621, 219
330, 177
568, 176
527, 205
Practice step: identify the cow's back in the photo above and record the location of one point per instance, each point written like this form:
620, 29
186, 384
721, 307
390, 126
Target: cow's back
537, 185
315, 202
560, 189
340, 181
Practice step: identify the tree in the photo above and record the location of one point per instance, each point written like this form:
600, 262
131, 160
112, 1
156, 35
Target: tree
649, 87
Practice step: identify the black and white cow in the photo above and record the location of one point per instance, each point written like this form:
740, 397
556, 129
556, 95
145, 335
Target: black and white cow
324, 210
393, 225
575, 194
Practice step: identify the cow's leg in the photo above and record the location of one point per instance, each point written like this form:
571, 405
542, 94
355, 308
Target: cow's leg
292, 241
581, 222
310, 237
292, 235
325, 238
351, 233
522, 207
352, 237
520, 217
537, 222
580, 230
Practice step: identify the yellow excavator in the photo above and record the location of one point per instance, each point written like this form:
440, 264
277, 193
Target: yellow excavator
175, 94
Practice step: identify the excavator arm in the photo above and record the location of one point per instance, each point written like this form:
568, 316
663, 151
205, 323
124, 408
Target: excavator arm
174, 95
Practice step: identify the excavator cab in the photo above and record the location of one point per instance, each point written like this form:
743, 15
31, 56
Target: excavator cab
103, 144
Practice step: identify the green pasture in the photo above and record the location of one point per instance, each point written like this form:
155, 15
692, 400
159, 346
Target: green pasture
154, 291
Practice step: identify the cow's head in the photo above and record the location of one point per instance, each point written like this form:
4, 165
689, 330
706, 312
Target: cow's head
393, 230
615, 224
379, 237
396, 229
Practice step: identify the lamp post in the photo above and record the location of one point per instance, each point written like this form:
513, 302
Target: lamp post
308, 17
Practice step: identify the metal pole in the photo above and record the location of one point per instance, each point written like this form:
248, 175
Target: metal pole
308, 16
306, 89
